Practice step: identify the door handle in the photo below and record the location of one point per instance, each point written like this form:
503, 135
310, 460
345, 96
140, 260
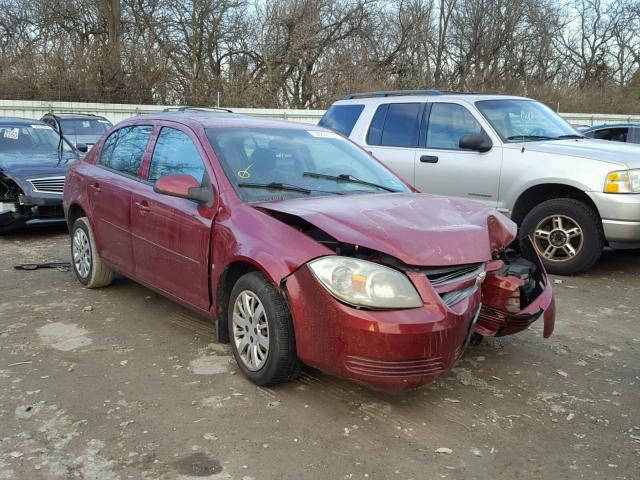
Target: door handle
95, 187
429, 159
143, 206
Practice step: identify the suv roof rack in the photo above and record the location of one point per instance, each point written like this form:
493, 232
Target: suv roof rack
79, 114
196, 109
398, 93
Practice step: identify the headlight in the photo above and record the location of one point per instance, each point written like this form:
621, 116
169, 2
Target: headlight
365, 284
623, 181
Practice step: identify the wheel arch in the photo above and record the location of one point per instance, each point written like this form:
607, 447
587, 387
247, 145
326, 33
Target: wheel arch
75, 212
537, 194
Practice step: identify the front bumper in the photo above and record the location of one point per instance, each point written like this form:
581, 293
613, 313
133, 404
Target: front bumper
32, 212
620, 215
391, 350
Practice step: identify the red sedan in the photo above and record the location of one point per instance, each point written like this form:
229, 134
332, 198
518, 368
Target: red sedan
300, 246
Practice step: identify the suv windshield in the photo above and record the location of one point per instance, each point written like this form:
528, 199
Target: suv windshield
31, 139
525, 121
84, 126
266, 164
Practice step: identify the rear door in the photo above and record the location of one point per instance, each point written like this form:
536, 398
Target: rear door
443, 168
171, 235
394, 134
109, 191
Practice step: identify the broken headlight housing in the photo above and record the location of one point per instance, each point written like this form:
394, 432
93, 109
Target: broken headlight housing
623, 181
365, 284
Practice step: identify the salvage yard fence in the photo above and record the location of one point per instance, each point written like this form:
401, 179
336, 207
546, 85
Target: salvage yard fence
116, 112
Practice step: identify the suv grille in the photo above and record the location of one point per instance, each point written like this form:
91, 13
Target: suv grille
443, 277
48, 184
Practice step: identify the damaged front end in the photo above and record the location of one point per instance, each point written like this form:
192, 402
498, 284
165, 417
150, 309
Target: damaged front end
516, 292
20, 208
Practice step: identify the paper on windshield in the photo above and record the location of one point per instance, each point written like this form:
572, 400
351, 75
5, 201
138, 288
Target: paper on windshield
322, 134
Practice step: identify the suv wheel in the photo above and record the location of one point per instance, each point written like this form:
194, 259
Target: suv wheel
89, 268
261, 331
566, 233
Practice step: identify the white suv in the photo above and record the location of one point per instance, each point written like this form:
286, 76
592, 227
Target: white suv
573, 195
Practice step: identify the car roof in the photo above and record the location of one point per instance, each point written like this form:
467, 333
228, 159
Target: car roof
73, 115
223, 119
613, 125
17, 121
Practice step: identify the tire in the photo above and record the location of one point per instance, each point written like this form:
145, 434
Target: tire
565, 224
280, 363
97, 274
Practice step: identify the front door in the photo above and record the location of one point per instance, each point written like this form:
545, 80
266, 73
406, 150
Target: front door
442, 168
171, 236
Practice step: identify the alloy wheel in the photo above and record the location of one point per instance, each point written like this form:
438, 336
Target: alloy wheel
558, 238
250, 330
81, 253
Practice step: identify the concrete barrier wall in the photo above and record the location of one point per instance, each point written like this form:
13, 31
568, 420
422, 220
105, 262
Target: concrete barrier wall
118, 112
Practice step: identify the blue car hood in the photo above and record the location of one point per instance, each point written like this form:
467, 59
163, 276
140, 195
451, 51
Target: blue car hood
23, 165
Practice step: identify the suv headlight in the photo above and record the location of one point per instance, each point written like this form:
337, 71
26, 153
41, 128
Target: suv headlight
365, 284
623, 181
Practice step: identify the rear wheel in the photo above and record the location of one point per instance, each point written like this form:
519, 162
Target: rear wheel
566, 233
261, 331
89, 268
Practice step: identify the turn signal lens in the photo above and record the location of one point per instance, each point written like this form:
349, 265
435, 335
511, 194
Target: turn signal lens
623, 181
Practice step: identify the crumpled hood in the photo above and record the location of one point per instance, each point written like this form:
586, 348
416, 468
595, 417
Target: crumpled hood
618, 153
41, 164
419, 229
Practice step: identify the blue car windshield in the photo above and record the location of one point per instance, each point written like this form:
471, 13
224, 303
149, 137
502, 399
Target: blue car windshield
31, 139
265, 164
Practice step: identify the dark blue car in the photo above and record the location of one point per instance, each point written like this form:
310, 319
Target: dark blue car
33, 163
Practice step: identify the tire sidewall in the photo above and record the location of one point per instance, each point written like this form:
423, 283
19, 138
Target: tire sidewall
257, 284
82, 223
586, 219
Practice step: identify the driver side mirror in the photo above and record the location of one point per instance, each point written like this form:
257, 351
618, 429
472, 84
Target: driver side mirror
184, 186
82, 147
477, 143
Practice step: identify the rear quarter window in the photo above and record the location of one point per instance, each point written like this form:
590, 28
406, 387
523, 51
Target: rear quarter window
341, 118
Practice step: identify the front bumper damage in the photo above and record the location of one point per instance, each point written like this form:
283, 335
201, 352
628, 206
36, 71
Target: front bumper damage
18, 210
516, 293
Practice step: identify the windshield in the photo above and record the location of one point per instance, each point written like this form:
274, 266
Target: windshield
33, 139
81, 126
266, 164
524, 121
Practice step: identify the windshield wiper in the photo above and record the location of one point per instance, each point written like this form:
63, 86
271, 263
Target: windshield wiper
345, 177
570, 136
274, 186
284, 186
530, 137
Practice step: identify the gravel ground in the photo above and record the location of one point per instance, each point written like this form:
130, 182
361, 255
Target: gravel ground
121, 383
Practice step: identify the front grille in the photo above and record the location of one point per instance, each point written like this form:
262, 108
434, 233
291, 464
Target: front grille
48, 184
444, 278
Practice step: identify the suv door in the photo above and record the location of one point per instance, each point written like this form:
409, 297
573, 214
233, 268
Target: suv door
394, 135
109, 191
171, 235
443, 168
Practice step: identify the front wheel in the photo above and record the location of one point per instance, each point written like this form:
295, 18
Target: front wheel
567, 235
261, 331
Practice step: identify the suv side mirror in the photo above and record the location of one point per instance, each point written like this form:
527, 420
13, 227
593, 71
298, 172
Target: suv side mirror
477, 143
184, 186
82, 147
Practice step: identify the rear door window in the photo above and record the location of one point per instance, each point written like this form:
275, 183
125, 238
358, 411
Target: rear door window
448, 123
341, 118
175, 154
123, 149
395, 125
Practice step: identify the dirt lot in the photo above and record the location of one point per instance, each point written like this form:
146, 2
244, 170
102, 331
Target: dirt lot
120, 383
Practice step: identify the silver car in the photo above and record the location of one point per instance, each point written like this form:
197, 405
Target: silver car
572, 194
